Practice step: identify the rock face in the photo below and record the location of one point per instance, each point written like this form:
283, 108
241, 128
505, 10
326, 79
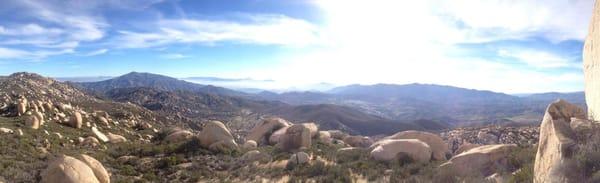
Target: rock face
556, 142
275, 136
216, 137
296, 137
437, 145
591, 66
480, 161
388, 150
67, 169
261, 132
99, 171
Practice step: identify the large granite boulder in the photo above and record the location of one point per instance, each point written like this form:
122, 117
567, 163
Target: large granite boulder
435, 142
480, 161
296, 137
390, 149
263, 131
178, 135
216, 137
557, 142
66, 169
275, 136
99, 170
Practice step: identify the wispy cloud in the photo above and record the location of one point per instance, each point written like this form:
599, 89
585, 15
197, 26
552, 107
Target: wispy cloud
173, 56
539, 59
96, 52
259, 29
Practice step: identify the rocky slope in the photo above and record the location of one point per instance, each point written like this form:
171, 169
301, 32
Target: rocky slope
125, 142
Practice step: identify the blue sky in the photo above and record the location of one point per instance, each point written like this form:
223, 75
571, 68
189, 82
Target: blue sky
500, 45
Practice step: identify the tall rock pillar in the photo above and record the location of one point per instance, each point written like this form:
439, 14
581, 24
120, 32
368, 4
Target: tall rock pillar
591, 65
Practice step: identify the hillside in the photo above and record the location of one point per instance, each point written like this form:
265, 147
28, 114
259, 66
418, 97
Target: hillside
453, 105
135, 79
348, 119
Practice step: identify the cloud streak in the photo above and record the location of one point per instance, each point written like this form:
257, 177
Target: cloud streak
261, 29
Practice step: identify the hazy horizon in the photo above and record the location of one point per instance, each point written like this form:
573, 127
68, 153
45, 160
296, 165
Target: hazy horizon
502, 46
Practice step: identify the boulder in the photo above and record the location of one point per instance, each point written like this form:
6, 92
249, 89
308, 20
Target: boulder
358, 141
299, 158
216, 136
275, 136
21, 107
76, 121
296, 137
349, 153
66, 169
314, 129
6, 130
262, 131
465, 147
435, 142
480, 161
99, 134
250, 144
114, 138
32, 121
556, 142
39, 116
90, 141
336, 134
179, 136
102, 120
99, 171
324, 136
389, 150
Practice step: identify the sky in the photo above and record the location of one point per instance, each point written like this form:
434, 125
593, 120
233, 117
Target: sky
511, 46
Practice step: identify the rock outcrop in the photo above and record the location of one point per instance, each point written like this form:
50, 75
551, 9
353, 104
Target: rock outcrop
391, 149
216, 137
66, 169
178, 136
296, 137
591, 66
557, 142
263, 131
437, 145
480, 161
99, 170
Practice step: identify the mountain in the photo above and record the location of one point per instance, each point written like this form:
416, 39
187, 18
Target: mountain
84, 79
351, 120
136, 79
410, 102
573, 97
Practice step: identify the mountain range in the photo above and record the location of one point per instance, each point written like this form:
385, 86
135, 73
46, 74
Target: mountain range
361, 109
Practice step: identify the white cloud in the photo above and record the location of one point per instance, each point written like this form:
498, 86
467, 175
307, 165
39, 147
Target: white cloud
261, 29
29, 29
96, 52
389, 41
8, 53
173, 56
539, 59
18, 54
